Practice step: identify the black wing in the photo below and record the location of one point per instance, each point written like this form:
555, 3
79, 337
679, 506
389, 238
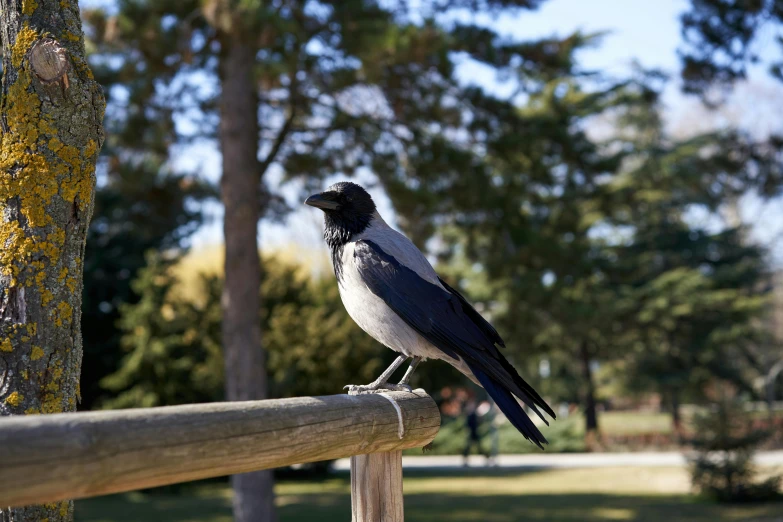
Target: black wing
474, 316
447, 320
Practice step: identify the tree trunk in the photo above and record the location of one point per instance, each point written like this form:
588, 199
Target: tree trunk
591, 415
676, 417
240, 186
51, 119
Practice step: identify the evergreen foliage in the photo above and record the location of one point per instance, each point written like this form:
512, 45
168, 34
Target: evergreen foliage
172, 345
559, 204
722, 467
340, 86
690, 290
139, 208
725, 37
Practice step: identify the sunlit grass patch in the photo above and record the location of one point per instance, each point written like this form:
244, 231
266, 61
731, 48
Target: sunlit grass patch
485, 495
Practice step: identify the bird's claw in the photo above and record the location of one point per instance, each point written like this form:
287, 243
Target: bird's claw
359, 389
362, 389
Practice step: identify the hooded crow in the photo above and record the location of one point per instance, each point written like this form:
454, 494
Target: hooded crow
392, 292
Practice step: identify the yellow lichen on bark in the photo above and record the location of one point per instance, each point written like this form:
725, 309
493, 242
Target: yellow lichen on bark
15, 399
56, 375
46, 297
24, 40
72, 37
52, 403
29, 6
24, 172
80, 189
33, 177
62, 314
52, 380
52, 130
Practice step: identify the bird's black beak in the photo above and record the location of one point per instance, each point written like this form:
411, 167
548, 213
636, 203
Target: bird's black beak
322, 201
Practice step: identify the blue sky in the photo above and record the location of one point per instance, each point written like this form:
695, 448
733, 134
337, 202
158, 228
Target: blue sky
643, 31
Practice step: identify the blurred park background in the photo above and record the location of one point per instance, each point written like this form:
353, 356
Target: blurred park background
603, 180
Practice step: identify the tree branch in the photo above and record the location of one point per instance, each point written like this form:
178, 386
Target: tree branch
279, 140
293, 96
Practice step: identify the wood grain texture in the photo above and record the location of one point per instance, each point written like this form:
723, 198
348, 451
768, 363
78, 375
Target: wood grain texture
376, 487
46, 458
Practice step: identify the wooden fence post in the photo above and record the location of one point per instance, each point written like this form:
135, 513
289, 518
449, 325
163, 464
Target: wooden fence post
376, 480
376, 487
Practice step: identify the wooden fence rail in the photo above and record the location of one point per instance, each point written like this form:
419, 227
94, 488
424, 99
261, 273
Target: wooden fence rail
46, 458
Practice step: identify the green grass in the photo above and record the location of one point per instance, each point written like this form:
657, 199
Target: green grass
476, 495
634, 423
565, 435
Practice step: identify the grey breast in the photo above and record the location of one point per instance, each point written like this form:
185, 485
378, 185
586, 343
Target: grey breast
369, 311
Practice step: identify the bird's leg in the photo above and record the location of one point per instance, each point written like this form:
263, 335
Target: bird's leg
381, 383
412, 368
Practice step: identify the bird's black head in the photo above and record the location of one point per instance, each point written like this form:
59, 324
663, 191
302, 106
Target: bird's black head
348, 210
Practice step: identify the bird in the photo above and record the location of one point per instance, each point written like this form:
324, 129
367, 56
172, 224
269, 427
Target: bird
393, 293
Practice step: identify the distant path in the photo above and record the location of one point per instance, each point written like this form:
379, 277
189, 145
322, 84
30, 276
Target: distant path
564, 460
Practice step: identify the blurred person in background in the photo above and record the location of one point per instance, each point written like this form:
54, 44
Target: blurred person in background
473, 414
488, 409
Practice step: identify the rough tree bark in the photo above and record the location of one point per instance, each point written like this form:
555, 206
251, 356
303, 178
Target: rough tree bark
241, 191
51, 120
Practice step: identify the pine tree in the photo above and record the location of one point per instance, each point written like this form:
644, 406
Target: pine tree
722, 466
173, 345
520, 208
332, 87
693, 296
140, 207
570, 233
142, 204
723, 38
173, 352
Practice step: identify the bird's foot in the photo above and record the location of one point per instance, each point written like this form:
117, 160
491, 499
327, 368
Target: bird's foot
398, 387
362, 389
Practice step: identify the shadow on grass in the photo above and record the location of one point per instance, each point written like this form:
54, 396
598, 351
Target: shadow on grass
213, 505
579, 507
475, 471
203, 505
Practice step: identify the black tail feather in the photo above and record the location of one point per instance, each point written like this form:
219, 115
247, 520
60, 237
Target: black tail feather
533, 399
510, 408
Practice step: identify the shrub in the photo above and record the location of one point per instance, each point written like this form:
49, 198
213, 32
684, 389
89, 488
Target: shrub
722, 463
